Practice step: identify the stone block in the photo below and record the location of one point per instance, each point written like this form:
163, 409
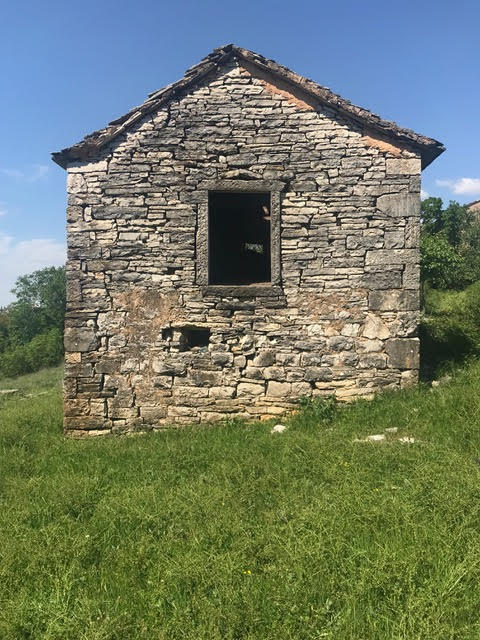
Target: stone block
80, 339
317, 374
404, 353
264, 359
404, 166
396, 300
250, 389
374, 328
279, 389
399, 205
153, 414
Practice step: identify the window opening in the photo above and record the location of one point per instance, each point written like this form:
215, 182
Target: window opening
239, 238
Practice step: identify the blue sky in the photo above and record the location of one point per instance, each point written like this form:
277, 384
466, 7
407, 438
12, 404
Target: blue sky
67, 68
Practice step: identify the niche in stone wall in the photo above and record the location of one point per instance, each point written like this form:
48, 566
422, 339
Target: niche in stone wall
186, 338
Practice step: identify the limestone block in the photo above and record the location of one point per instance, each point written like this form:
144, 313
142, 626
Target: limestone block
395, 239
222, 392
300, 389
395, 300
80, 339
391, 256
206, 378
254, 373
153, 413
379, 278
404, 166
408, 378
274, 373
279, 389
170, 368
264, 359
317, 374
399, 205
88, 167
411, 276
373, 360
250, 389
403, 353
374, 328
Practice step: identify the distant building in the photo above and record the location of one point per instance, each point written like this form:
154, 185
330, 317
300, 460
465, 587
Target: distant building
242, 239
473, 206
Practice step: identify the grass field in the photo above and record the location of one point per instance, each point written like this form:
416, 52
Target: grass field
231, 532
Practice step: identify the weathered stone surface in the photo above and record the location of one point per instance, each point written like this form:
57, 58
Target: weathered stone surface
404, 166
279, 389
403, 352
396, 300
250, 389
80, 339
374, 328
399, 205
342, 307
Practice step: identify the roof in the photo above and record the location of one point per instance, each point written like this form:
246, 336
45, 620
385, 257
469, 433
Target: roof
473, 205
91, 145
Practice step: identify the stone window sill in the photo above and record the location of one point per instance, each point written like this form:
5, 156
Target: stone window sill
264, 289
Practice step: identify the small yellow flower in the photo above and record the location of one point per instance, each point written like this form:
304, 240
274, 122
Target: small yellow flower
247, 572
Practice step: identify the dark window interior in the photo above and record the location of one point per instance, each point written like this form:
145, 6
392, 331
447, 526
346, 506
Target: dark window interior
196, 337
239, 238
185, 338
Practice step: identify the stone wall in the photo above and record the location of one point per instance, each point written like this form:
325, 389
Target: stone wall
342, 317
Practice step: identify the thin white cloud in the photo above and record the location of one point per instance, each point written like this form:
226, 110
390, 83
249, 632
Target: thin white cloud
34, 173
424, 194
18, 258
39, 171
3, 209
462, 186
13, 173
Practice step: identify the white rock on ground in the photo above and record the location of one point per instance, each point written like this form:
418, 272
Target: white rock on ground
278, 428
391, 430
377, 437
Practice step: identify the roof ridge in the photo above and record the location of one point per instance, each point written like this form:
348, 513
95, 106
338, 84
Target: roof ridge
92, 143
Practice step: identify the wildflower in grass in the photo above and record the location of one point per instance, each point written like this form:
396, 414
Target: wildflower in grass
247, 572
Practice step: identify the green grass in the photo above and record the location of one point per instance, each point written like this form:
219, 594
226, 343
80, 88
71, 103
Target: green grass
233, 533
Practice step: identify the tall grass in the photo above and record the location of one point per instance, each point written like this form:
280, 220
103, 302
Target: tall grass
231, 532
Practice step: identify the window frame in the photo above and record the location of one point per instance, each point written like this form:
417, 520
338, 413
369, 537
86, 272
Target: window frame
202, 240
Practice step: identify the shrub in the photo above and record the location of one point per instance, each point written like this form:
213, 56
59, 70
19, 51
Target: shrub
450, 328
321, 408
441, 265
44, 350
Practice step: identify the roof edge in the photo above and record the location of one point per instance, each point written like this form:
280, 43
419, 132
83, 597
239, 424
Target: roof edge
92, 144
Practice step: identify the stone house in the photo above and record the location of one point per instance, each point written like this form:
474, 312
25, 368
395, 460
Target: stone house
242, 239
474, 206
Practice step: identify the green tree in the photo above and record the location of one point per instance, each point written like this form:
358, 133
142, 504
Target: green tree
40, 304
450, 245
3, 328
441, 265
